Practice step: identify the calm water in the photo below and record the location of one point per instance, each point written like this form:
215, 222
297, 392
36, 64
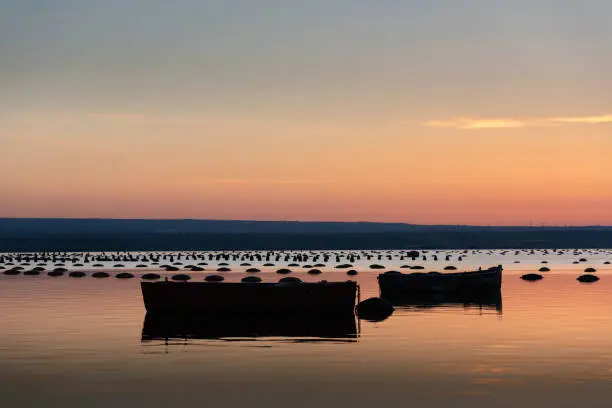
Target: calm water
78, 342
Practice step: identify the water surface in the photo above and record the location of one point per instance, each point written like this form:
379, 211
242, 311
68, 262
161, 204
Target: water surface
79, 342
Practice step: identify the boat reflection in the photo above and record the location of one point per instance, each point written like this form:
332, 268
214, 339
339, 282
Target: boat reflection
342, 328
483, 302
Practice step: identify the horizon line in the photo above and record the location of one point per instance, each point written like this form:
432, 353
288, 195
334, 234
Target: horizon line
534, 225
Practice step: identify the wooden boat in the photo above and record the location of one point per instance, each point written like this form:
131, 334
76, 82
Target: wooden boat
337, 327
434, 282
324, 298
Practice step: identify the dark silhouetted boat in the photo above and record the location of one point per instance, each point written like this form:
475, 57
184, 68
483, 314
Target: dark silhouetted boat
213, 298
392, 283
338, 327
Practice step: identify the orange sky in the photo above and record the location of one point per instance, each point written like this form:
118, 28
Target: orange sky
414, 117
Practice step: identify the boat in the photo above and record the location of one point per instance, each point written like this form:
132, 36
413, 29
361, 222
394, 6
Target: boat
479, 281
336, 327
214, 298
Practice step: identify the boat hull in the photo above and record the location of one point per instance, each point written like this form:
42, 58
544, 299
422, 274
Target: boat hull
249, 298
427, 283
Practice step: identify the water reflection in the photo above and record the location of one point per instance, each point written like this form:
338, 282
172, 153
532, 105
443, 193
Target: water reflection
227, 327
487, 301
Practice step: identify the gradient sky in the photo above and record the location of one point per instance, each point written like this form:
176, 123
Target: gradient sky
489, 112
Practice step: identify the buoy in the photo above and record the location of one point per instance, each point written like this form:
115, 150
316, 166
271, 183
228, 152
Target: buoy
32, 273
223, 269
214, 278
352, 272
314, 272
181, 277
590, 270
587, 278
290, 279
252, 270
150, 276
532, 277
374, 309
450, 268
100, 275
544, 269
392, 273
251, 279
55, 273
77, 274
376, 266
124, 275
343, 266
283, 271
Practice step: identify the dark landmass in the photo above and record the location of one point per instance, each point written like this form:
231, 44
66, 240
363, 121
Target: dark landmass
27, 234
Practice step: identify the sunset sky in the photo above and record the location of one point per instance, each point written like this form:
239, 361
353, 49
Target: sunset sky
488, 112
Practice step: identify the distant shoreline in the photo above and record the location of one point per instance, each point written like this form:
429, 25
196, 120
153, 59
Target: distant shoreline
56, 234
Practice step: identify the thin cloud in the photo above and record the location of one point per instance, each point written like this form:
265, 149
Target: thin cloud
514, 123
590, 120
469, 124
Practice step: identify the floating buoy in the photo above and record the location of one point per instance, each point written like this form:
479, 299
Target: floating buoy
100, 275
283, 271
214, 278
77, 274
544, 269
314, 272
268, 264
290, 279
252, 270
150, 276
344, 266
352, 272
55, 273
32, 273
251, 279
392, 273
450, 268
376, 266
590, 270
124, 275
141, 266
223, 269
119, 266
587, 278
374, 309
417, 267
12, 272
532, 277
171, 268
181, 277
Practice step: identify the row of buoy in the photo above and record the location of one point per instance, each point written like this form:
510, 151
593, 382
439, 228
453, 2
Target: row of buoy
533, 277
150, 276
60, 271
547, 269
